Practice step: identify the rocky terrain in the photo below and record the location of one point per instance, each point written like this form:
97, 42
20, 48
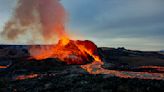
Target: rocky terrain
18, 73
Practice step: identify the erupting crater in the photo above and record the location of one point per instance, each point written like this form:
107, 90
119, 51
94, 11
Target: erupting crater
68, 51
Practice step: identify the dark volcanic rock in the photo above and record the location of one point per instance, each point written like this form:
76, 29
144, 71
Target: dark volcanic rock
133, 58
13, 51
53, 75
82, 83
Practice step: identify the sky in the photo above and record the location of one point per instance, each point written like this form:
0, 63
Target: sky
133, 24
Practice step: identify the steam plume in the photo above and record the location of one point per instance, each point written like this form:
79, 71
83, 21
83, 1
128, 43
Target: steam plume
42, 18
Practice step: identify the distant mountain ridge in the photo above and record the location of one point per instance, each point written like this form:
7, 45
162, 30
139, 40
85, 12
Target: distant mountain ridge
161, 50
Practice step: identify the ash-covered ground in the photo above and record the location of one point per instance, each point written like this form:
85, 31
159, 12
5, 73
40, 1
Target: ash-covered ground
18, 73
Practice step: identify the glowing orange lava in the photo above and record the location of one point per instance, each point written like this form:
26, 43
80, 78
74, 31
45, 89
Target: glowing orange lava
68, 51
3, 67
30, 76
96, 68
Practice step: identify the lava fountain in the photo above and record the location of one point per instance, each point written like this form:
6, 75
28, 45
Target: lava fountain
46, 19
70, 52
66, 50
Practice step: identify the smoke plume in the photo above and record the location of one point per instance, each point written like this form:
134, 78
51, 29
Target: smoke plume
41, 18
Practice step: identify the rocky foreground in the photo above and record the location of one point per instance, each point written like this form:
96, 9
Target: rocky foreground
19, 74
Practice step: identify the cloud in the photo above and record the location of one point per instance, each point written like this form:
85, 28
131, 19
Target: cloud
124, 19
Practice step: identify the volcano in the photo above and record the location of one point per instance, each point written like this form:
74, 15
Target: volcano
68, 51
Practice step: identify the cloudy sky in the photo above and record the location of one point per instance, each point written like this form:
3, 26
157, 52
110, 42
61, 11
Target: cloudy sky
134, 24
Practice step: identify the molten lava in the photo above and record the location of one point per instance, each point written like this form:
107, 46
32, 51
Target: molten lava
30, 76
68, 51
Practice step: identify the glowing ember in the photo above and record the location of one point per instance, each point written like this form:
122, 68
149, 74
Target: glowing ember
30, 76
3, 67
